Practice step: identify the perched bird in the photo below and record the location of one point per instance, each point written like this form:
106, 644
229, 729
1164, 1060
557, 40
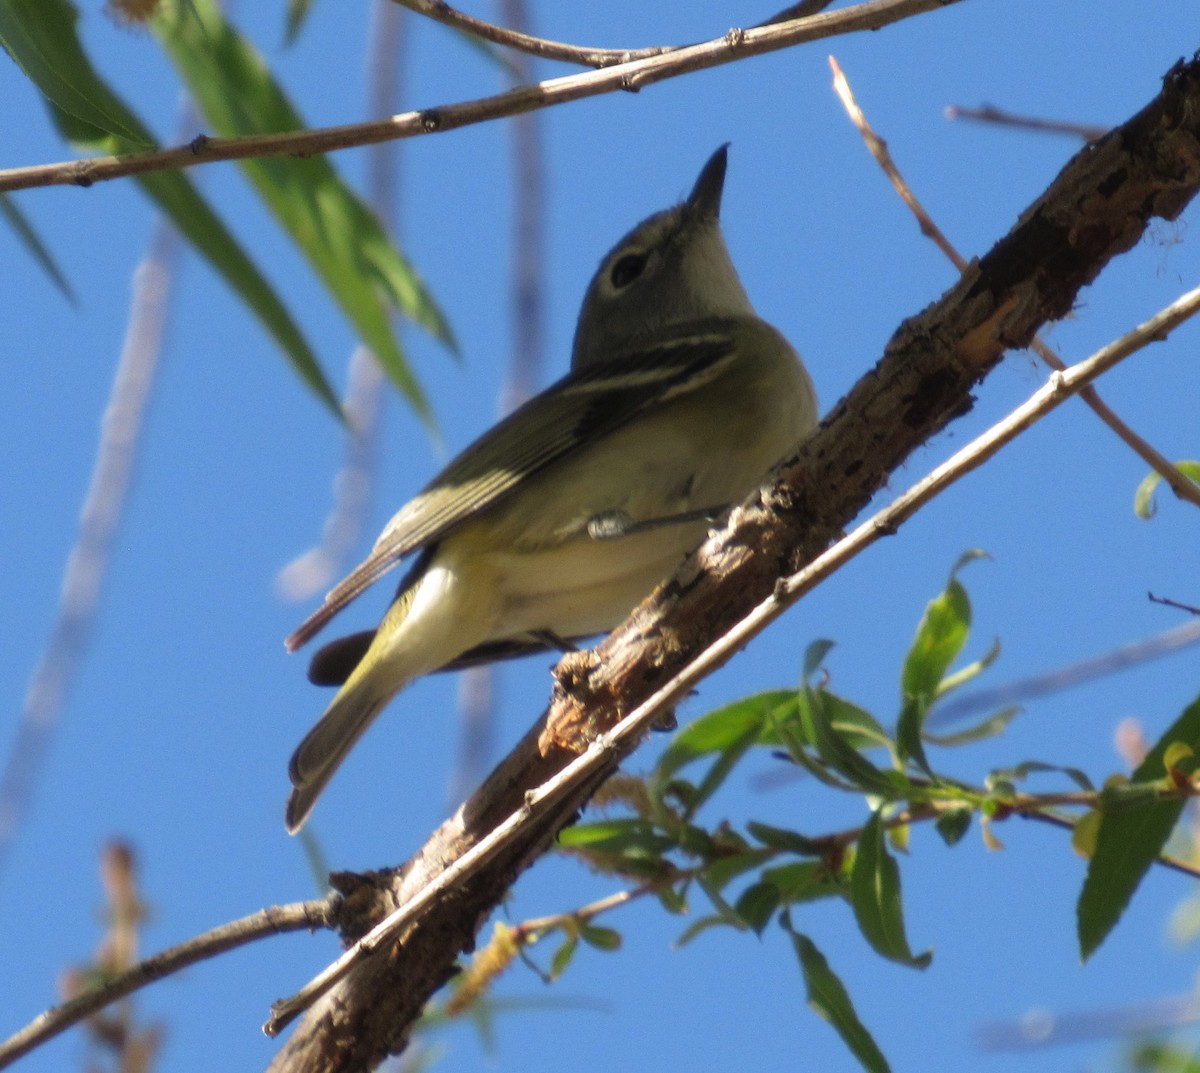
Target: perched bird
555, 523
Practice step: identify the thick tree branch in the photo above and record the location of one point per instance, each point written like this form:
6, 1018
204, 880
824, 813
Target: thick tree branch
1184, 488
1098, 207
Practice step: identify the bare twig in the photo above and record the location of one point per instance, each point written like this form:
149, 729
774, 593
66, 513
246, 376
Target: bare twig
1168, 602
1182, 487
734, 45
522, 42
987, 114
515, 37
313, 570
1041, 1028
117, 1034
1172, 864
103, 507
300, 916
1131, 655
476, 690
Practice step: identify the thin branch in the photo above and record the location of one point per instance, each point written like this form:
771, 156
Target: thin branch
1088, 670
527, 356
1040, 1028
515, 38
1173, 864
733, 46
534, 929
1085, 131
300, 916
1166, 601
117, 1035
101, 514
353, 488
442, 12
1182, 487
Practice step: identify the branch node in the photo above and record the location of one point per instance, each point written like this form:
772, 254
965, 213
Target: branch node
81, 173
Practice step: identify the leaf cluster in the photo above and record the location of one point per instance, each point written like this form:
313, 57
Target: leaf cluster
748, 875
367, 277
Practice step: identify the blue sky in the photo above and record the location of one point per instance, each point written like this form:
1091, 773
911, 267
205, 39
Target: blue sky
186, 709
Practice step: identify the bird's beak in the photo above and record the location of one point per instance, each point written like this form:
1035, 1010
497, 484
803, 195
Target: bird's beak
705, 198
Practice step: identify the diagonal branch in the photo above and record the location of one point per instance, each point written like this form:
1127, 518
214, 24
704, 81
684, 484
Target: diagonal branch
1183, 488
1096, 209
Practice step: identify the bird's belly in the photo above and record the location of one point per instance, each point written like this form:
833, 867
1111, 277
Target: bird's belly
587, 586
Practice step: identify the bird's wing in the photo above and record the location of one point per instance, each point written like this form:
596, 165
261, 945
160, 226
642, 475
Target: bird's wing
576, 411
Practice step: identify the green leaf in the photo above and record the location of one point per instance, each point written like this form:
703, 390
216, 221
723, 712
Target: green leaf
953, 824
616, 836
990, 727
724, 869
1155, 1056
1084, 834
297, 12
699, 927
563, 956
910, 734
717, 732
858, 726
337, 232
722, 906
1130, 840
672, 900
719, 771
828, 997
1030, 767
179, 199
600, 938
40, 37
814, 656
1143, 498
756, 904
49, 25
971, 671
781, 838
941, 635
837, 752
32, 241
803, 881
875, 895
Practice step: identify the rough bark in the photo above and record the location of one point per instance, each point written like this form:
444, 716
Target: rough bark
1098, 207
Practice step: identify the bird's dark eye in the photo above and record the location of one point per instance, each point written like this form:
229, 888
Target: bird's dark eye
627, 269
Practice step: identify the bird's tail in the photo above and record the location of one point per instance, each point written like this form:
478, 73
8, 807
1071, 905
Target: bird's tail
325, 746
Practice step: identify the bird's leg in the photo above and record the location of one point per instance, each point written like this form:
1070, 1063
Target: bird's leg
551, 640
615, 524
